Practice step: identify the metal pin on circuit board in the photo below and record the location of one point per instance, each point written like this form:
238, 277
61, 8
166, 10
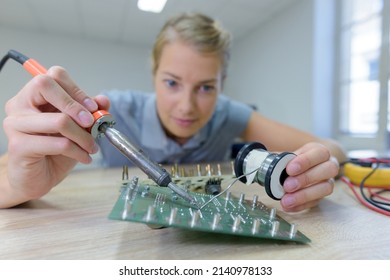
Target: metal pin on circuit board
236, 224
293, 230
255, 226
195, 218
275, 227
172, 216
150, 213
254, 201
242, 198
272, 214
216, 220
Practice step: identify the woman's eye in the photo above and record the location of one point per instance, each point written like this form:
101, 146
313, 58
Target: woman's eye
170, 83
206, 88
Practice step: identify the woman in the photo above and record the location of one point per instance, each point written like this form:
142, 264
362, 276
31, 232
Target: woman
187, 120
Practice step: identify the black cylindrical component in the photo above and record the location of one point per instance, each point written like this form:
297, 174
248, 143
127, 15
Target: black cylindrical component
213, 186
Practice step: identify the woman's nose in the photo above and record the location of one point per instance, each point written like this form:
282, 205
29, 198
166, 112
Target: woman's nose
187, 101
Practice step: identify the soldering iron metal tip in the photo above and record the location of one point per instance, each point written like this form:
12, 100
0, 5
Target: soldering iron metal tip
195, 204
183, 194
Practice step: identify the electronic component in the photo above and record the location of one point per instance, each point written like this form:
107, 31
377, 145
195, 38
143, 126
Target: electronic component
213, 186
144, 202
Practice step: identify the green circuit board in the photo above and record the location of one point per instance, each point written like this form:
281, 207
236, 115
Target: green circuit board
146, 202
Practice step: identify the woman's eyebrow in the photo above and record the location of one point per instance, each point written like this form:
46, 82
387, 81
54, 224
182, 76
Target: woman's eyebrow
172, 75
179, 78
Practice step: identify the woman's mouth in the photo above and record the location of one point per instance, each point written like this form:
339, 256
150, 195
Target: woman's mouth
184, 122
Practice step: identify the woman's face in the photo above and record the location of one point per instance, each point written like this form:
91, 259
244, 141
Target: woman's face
187, 84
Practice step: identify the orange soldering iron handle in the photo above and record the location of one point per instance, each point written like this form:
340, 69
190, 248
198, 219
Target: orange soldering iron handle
100, 116
33, 67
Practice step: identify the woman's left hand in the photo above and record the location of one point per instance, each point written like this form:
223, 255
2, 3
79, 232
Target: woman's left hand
310, 178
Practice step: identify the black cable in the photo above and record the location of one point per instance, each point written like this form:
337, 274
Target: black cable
15, 55
372, 197
3, 61
369, 200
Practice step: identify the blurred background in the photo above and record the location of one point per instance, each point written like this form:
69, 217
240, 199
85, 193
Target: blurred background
318, 65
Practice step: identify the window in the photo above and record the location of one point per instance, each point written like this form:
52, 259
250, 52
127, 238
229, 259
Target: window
363, 74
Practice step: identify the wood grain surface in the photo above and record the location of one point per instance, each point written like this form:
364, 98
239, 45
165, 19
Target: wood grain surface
71, 222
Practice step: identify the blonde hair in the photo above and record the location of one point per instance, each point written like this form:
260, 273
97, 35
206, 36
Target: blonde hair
199, 31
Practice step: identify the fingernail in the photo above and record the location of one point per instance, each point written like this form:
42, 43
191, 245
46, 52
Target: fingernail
85, 118
289, 201
90, 104
290, 184
294, 168
95, 148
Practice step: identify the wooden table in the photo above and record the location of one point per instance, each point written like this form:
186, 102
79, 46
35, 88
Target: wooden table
71, 222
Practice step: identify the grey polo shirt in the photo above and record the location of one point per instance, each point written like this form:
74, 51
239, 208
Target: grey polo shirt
136, 116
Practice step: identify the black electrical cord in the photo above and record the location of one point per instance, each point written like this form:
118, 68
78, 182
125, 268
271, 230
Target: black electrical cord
17, 56
370, 199
3, 61
382, 205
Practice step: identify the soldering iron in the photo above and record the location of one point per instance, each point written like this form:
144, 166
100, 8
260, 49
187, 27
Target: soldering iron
103, 125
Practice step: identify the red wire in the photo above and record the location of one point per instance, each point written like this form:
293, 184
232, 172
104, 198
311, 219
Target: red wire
374, 160
362, 201
378, 195
376, 187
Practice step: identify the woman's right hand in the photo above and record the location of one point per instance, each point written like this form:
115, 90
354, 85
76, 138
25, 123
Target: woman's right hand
46, 128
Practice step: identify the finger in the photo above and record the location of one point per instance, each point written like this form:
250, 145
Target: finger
308, 156
307, 195
38, 146
103, 102
318, 173
52, 123
61, 76
302, 207
42, 91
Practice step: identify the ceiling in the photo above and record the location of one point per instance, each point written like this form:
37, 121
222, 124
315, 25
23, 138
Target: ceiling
120, 21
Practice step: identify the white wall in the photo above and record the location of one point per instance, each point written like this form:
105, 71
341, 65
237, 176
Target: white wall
276, 67
94, 66
273, 68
